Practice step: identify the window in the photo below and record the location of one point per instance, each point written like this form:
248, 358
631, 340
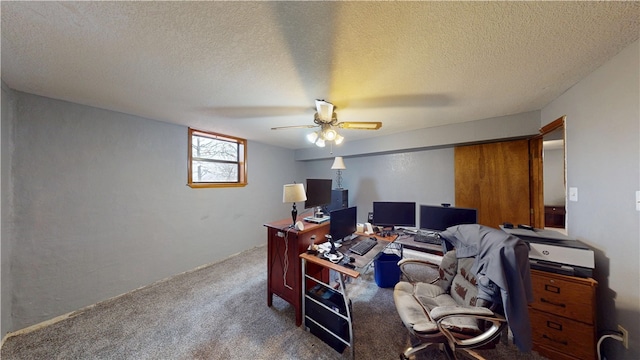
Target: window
216, 160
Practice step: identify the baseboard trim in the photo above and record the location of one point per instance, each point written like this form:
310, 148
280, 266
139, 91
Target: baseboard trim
42, 324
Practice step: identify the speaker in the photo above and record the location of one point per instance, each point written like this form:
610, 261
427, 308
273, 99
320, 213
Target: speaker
339, 199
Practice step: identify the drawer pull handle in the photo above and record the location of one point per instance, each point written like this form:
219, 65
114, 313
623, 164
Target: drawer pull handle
554, 325
555, 341
551, 288
552, 303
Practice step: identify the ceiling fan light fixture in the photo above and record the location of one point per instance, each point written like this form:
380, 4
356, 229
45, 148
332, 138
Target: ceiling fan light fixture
330, 134
327, 125
325, 110
312, 137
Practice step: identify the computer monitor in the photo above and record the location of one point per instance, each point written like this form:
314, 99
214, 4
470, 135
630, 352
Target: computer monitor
343, 223
318, 193
439, 218
387, 213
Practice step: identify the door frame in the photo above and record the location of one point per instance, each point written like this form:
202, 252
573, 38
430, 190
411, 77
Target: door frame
536, 168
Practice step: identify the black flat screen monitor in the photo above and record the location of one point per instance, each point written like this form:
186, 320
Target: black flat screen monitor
440, 217
343, 223
387, 213
318, 193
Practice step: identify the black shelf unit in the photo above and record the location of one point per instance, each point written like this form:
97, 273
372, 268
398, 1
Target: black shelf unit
327, 313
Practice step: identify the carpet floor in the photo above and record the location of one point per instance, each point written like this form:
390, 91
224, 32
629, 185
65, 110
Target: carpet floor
220, 312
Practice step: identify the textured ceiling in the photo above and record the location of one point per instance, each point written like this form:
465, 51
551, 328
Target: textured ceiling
243, 67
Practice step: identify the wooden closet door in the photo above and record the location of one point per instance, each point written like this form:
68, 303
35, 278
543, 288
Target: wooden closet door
494, 178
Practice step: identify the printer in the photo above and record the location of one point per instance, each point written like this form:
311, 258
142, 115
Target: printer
552, 251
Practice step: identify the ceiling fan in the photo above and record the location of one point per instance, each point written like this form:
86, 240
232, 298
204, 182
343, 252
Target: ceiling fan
325, 118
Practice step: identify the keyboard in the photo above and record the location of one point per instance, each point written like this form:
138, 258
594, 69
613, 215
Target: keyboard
363, 246
429, 237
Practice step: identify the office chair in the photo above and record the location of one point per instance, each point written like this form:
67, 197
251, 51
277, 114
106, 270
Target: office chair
461, 307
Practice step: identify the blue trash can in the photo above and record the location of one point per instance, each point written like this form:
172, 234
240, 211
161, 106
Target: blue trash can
386, 270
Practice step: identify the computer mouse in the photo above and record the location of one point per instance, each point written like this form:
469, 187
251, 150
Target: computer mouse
352, 260
508, 225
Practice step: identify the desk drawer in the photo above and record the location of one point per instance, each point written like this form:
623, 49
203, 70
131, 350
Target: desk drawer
554, 210
562, 335
564, 296
554, 216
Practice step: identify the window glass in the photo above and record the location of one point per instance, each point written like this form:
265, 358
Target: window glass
216, 160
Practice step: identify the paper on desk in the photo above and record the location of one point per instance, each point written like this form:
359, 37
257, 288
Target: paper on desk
324, 247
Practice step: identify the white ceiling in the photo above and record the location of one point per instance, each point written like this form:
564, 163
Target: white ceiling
241, 68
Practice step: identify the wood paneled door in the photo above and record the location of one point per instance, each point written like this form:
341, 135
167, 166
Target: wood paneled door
496, 179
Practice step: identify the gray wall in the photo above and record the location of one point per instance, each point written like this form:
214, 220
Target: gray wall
102, 207
603, 162
554, 191
425, 177
6, 280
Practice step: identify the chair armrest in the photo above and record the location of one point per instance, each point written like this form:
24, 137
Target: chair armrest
418, 270
442, 313
418, 261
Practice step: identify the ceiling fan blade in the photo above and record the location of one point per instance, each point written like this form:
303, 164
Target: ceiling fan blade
294, 127
360, 125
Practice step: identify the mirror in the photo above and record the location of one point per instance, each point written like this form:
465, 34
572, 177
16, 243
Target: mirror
554, 170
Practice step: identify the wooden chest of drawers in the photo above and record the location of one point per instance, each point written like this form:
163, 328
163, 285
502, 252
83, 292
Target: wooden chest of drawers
563, 316
554, 216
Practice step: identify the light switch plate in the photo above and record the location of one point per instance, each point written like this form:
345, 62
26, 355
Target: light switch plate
573, 194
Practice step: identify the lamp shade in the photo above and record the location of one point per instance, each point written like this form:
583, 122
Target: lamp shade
293, 193
338, 164
312, 137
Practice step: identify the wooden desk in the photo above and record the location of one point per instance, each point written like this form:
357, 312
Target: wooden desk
284, 244
361, 262
314, 259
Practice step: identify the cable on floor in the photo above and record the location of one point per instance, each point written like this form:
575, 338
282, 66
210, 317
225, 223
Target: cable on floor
613, 335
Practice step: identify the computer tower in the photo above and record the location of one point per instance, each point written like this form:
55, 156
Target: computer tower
339, 199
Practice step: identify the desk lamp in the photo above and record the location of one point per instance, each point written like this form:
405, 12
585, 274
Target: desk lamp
293, 193
338, 164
